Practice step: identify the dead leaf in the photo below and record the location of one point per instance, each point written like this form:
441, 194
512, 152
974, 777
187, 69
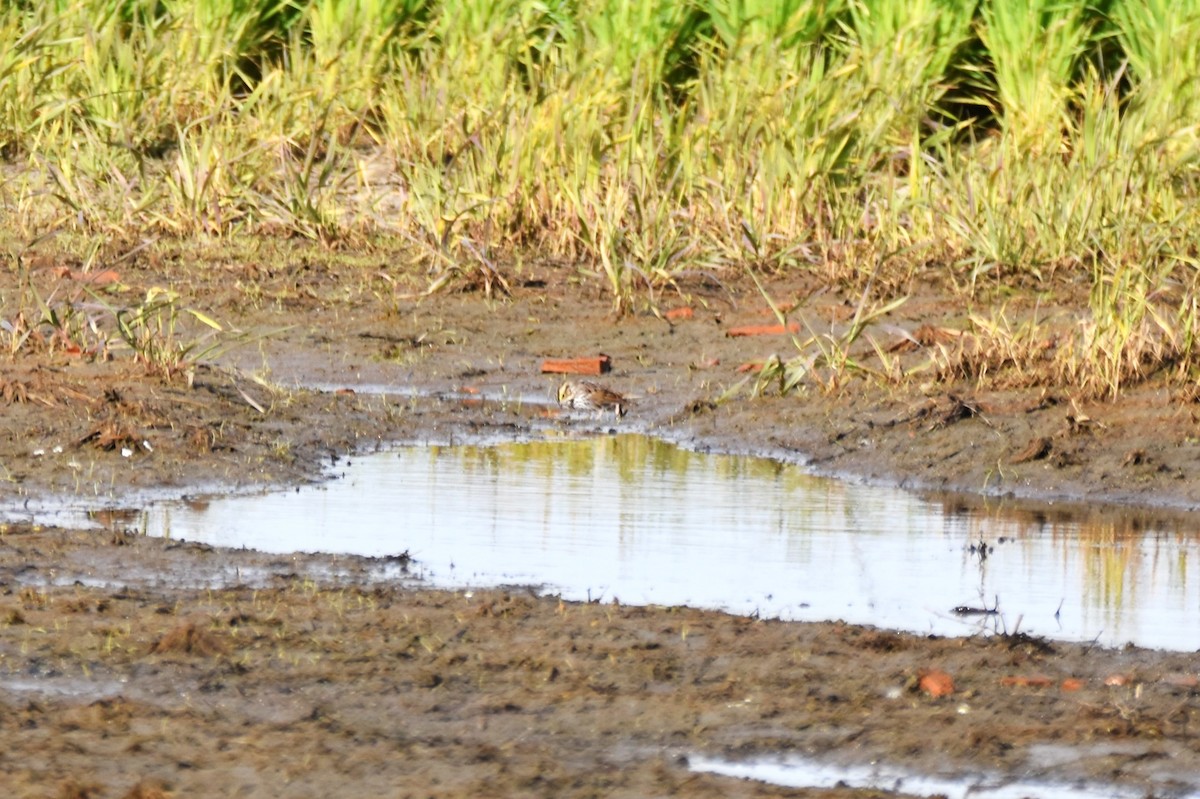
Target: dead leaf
1135, 457
189, 639
250, 401
924, 336
104, 278
109, 436
959, 409
1035, 450
1046, 400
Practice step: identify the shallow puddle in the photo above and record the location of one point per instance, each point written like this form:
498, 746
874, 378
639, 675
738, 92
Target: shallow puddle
66, 686
797, 772
639, 520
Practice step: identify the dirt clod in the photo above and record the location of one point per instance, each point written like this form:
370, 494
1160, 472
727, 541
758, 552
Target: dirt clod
189, 639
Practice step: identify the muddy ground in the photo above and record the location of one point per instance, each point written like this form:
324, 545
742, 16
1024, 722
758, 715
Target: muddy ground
141, 667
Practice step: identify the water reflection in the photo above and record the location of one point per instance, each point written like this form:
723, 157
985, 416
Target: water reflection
799, 772
634, 518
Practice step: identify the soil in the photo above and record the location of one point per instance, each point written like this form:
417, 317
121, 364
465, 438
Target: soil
132, 666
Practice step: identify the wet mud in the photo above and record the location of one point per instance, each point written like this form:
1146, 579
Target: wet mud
141, 667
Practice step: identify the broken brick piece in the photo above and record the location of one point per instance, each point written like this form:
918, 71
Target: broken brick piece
677, 314
596, 365
763, 330
935, 682
1026, 681
1179, 680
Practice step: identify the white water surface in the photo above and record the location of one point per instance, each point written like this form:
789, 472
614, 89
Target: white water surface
799, 772
639, 520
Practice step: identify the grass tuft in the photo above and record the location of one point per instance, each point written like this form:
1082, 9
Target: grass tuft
988, 142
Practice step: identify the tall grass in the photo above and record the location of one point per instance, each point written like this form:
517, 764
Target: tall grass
1034, 47
642, 141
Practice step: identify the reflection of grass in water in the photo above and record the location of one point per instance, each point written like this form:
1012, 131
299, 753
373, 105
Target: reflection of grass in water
1107, 570
633, 458
1116, 559
1124, 553
1121, 554
642, 467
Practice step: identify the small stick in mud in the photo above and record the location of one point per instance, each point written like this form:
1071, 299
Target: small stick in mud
968, 610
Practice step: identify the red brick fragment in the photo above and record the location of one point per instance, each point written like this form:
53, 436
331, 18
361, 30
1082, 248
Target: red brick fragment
595, 365
1026, 681
1181, 680
763, 330
935, 682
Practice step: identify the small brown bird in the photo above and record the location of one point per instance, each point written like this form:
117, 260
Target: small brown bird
584, 395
